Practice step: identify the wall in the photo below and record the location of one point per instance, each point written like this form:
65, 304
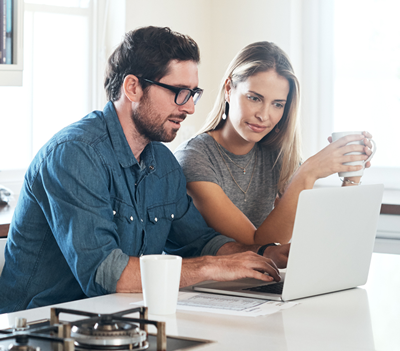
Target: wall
388, 234
221, 28
187, 17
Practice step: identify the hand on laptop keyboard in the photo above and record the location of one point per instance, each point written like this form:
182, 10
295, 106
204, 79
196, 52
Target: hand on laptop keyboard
241, 265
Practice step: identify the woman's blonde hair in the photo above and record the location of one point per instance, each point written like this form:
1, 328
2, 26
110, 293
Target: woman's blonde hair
261, 57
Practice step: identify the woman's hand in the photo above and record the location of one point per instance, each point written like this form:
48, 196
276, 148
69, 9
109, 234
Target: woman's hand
279, 254
367, 146
331, 159
351, 181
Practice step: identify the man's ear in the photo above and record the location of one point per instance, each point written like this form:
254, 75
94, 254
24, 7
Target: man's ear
132, 88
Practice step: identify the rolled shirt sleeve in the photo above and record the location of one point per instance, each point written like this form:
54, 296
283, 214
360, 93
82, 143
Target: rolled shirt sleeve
86, 206
71, 188
111, 269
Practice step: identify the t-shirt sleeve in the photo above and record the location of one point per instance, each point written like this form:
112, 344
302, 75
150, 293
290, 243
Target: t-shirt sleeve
197, 164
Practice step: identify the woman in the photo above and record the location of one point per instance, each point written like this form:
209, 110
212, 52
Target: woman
243, 168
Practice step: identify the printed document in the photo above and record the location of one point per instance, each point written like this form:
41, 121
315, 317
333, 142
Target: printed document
224, 304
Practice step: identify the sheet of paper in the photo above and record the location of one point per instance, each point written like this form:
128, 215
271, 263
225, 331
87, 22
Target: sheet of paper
231, 305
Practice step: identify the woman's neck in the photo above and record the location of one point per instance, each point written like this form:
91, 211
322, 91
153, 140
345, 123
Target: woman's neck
232, 141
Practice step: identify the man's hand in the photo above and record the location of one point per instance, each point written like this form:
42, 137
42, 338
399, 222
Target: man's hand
228, 267
233, 261
243, 265
279, 254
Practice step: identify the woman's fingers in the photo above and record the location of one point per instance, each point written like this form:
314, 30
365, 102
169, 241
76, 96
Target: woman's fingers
367, 135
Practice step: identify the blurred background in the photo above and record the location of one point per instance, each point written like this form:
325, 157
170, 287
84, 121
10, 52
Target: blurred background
346, 54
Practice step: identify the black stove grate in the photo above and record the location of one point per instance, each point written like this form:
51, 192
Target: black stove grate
55, 335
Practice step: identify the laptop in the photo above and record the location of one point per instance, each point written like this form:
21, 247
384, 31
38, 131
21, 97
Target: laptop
331, 247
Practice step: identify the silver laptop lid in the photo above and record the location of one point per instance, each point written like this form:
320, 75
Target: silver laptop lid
333, 240
332, 244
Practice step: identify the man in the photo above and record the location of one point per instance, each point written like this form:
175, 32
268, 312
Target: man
104, 191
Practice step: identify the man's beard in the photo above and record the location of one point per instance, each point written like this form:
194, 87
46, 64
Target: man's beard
150, 125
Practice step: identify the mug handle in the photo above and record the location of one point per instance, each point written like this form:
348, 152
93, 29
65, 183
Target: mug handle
373, 151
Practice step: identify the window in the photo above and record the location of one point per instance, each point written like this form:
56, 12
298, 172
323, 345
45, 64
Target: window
351, 79
57, 79
367, 73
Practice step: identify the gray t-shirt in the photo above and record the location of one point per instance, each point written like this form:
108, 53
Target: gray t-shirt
201, 160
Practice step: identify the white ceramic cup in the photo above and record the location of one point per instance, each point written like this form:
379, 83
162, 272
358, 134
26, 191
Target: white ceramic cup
161, 275
338, 135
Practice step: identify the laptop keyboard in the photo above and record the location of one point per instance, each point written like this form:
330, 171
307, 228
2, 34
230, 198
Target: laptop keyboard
270, 288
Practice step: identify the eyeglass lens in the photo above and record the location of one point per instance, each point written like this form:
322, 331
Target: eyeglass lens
185, 94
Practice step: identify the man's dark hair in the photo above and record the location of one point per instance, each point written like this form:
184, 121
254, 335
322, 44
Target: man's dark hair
146, 52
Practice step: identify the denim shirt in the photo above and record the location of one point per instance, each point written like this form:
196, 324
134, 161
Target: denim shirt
86, 206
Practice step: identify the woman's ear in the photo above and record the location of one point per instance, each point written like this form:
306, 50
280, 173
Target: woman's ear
132, 88
228, 87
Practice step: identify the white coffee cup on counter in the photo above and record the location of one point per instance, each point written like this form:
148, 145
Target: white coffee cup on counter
338, 135
160, 275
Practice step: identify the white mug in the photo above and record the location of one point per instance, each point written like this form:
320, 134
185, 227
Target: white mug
338, 135
160, 275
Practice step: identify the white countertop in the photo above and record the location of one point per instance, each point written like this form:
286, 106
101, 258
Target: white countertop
366, 318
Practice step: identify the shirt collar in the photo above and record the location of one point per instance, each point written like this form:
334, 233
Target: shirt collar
120, 144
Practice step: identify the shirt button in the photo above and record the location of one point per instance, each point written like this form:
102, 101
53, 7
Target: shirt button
114, 213
141, 220
172, 216
155, 219
131, 218
151, 168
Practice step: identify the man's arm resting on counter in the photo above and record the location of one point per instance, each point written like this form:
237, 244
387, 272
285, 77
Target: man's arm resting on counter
233, 261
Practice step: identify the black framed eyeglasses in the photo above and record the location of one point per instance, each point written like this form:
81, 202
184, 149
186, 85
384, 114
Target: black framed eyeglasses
182, 95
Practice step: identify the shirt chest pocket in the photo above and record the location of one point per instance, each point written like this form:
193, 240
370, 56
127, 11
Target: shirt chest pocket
129, 228
161, 214
123, 212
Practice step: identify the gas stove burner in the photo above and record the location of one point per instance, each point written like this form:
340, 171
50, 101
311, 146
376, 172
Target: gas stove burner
34, 340
94, 332
24, 338
21, 344
22, 347
21, 338
110, 333
114, 328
